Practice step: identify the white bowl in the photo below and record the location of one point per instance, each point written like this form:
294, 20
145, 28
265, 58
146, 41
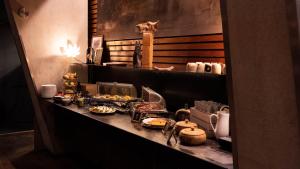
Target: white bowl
48, 91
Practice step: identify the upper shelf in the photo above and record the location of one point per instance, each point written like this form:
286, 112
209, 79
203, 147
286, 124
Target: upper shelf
129, 67
169, 51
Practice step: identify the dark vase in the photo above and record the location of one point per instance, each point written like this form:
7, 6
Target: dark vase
137, 56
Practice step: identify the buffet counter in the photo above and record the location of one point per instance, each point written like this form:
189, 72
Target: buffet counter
133, 138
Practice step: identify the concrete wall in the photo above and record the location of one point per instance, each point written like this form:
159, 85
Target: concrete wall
50, 26
266, 115
117, 18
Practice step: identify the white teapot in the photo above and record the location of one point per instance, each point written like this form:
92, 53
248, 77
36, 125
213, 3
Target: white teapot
221, 129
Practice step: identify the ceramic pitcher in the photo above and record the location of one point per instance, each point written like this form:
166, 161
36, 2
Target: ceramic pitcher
221, 129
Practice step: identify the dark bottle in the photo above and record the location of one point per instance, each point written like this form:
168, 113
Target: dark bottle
137, 56
93, 54
90, 55
78, 87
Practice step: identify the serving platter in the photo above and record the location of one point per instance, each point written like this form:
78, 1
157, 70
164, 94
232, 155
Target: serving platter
155, 123
114, 98
148, 107
102, 110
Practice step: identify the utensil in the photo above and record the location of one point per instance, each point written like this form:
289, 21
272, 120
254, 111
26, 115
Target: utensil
222, 126
172, 133
170, 124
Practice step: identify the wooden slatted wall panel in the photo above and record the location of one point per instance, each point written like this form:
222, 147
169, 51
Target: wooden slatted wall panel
92, 18
173, 51
168, 51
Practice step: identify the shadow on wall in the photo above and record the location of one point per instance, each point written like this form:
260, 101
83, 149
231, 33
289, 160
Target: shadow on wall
16, 107
16, 111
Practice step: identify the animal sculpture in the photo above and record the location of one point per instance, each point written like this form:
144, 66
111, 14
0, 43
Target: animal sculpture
147, 26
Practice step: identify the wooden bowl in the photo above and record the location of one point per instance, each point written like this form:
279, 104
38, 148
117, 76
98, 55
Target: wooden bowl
192, 136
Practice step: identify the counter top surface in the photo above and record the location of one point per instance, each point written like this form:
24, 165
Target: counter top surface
209, 152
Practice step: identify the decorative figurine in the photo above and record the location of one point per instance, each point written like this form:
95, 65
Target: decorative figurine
90, 55
137, 56
147, 29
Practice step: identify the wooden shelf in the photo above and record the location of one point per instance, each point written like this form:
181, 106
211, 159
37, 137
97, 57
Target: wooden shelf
129, 67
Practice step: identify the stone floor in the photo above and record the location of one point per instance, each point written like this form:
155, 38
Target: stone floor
16, 152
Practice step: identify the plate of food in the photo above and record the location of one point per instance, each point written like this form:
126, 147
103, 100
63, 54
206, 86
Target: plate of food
102, 110
65, 99
148, 107
157, 123
117, 98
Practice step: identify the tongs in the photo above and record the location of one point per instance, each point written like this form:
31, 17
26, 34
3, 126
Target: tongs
170, 123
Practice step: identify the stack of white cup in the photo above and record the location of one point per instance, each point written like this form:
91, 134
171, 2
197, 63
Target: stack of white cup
204, 67
216, 68
191, 67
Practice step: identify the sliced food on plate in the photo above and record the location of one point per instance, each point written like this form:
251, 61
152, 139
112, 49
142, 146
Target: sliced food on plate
102, 110
154, 122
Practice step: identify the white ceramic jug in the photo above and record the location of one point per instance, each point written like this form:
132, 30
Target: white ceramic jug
222, 126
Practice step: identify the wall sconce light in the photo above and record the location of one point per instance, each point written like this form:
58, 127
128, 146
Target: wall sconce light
72, 50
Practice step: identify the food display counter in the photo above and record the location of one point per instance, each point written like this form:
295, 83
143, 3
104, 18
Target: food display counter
113, 141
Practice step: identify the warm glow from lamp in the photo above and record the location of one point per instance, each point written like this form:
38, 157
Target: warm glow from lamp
72, 50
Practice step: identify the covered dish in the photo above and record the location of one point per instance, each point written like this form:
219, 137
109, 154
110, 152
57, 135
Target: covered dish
192, 136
